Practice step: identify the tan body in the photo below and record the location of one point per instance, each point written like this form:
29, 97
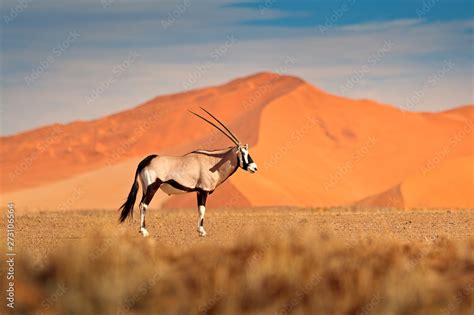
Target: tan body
198, 170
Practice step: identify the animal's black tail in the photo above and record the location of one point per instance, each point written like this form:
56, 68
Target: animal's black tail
127, 207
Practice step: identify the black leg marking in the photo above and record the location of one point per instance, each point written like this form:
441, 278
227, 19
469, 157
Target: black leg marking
201, 201
202, 197
150, 192
148, 196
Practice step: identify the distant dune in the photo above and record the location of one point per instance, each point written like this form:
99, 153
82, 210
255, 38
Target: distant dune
313, 149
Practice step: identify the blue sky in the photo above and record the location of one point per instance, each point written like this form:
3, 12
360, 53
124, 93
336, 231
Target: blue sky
81, 60
313, 13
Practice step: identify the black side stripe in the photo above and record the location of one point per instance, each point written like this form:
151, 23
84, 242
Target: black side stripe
177, 185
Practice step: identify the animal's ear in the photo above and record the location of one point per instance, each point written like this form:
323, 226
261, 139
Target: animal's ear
246, 146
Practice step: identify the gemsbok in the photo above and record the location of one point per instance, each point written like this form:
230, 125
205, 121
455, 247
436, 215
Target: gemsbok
200, 171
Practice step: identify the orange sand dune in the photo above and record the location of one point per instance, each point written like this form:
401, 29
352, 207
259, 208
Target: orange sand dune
313, 149
450, 184
327, 150
161, 125
391, 198
447, 185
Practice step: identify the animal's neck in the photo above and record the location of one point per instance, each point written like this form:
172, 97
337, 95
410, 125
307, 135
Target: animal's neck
227, 164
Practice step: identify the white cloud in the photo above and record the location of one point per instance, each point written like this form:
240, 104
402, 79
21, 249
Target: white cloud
325, 60
377, 26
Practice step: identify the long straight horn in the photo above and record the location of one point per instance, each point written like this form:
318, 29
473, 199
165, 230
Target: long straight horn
214, 125
225, 127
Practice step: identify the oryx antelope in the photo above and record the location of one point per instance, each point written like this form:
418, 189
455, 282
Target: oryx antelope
200, 171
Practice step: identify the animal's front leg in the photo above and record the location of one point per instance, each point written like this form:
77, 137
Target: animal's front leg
143, 229
201, 199
200, 228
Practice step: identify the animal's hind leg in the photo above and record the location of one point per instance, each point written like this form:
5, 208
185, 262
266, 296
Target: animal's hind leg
146, 199
201, 201
143, 208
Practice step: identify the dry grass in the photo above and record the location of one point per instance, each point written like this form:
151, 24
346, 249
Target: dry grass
293, 273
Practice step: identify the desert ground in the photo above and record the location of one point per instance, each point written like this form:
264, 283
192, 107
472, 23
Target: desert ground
43, 233
253, 261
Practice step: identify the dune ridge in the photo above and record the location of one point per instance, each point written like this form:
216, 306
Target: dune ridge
313, 149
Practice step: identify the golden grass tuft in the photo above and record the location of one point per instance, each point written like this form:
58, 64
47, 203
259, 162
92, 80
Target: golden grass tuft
293, 273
